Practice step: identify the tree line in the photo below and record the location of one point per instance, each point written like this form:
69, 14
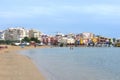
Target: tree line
25, 39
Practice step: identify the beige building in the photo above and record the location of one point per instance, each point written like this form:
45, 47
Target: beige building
35, 34
16, 33
70, 41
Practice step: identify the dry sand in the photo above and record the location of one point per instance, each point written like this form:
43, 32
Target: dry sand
17, 67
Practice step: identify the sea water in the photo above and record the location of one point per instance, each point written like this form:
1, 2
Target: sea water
79, 63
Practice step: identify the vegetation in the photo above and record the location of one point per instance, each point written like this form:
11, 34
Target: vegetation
61, 44
114, 39
8, 42
27, 39
35, 39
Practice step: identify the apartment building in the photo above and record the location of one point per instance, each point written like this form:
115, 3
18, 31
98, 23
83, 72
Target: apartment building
16, 33
87, 35
35, 34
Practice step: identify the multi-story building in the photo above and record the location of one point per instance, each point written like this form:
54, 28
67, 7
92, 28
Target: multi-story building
16, 34
35, 34
87, 35
2, 36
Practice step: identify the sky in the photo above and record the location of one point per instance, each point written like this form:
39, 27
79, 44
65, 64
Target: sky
101, 17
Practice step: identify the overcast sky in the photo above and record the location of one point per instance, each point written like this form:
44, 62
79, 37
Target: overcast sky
50, 16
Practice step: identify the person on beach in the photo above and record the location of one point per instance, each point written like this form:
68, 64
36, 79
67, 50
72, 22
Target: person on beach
71, 47
35, 45
22, 45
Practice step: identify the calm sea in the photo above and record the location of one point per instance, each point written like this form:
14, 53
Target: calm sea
77, 64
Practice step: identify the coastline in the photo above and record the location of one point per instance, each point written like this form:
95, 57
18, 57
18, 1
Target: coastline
14, 66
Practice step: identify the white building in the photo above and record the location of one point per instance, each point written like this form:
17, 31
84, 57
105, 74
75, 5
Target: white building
66, 40
2, 36
16, 33
60, 34
87, 35
62, 40
70, 41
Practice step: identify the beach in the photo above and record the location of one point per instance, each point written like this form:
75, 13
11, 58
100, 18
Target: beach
14, 66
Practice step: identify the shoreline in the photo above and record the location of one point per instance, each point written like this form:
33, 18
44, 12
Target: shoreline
14, 66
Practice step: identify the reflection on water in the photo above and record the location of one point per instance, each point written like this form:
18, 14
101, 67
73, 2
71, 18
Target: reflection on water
77, 64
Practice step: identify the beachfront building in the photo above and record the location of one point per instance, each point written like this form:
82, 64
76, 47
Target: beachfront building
79, 39
86, 37
53, 40
78, 36
70, 41
35, 34
71, 35
44, 39
2, 35
102, 39
71, 38
59, 37
59, 34
66, 40
62, 40
18, 33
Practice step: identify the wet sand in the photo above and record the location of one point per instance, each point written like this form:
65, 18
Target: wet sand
14, 66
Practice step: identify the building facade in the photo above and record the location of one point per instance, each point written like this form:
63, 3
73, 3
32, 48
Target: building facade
35, 34
16, 34
87, 35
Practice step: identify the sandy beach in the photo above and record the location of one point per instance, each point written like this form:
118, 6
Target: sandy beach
14, 66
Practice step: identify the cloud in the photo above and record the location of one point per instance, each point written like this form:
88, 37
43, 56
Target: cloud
58, 10
95, 9
26, 11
